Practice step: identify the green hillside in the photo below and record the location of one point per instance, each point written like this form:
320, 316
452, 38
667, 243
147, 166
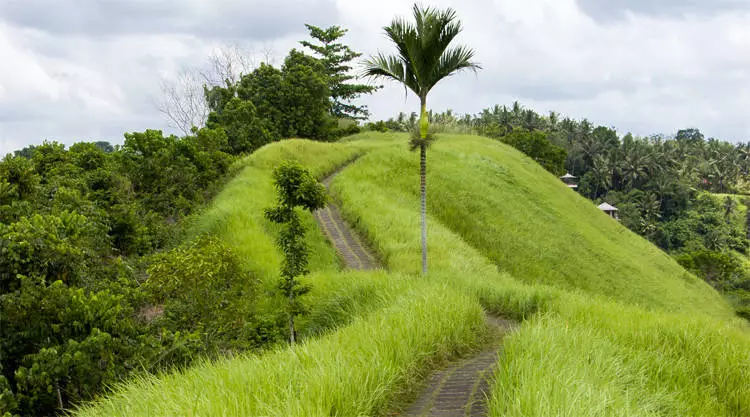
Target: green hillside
611, 325
530, 225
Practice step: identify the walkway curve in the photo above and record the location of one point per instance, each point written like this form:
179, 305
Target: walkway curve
462, 389
348, 245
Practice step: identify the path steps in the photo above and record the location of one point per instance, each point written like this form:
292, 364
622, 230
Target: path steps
349, 246
461, 389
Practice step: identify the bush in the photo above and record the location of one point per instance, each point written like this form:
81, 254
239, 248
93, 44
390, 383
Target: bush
720, 269
201, 288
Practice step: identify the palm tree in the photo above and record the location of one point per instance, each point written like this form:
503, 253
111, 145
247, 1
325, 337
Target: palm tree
424, 58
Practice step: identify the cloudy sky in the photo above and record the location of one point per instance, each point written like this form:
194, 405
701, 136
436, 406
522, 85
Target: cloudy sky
91, 69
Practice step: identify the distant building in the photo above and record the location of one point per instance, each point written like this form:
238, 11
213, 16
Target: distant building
609, 209
569, 180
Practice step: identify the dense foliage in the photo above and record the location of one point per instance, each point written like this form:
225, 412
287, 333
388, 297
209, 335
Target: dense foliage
73, 223
95, 284
336, 58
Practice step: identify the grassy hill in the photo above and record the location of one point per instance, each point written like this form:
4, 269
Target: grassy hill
611, 325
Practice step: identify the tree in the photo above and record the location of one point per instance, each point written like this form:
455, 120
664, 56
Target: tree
424, 58
305, 103
336, 58
184, 100
535, 145
296, 187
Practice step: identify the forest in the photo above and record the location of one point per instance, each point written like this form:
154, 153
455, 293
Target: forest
96, 286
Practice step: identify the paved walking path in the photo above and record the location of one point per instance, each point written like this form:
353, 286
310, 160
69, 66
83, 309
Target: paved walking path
462, 389
350, 247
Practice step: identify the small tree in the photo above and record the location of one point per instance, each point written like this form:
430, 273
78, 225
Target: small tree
296, 187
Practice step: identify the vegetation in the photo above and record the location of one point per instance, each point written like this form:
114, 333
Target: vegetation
107, 269
337, 58
73, 224
375, 369
115, 272
296, 188
668, 190
424, 58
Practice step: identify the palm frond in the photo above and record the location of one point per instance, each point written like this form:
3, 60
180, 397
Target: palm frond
452, 61
424, 54
390, 67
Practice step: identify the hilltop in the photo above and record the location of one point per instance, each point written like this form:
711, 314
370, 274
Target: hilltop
631, 331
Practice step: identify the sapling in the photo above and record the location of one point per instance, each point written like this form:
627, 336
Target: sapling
296, 188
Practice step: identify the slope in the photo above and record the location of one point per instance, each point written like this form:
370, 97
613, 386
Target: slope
526, 222
374, 336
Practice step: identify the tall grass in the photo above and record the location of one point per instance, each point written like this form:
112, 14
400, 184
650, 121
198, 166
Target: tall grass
360, 370
236, 214
488, 202
605, 359
613, 326
582, 352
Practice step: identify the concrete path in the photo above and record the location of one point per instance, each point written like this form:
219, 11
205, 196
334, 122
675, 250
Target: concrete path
462, 389
349, 246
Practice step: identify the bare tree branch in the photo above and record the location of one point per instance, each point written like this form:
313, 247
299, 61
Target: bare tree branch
183, 101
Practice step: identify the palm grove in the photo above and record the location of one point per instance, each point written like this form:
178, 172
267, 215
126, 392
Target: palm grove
98, 284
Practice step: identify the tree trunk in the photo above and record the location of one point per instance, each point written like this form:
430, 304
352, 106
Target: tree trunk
59, 395
423, 125
292, 338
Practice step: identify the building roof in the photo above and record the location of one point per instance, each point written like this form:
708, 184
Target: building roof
607, 207
567, 176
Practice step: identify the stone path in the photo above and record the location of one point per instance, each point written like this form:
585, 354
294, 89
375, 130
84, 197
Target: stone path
349, 246
462, 389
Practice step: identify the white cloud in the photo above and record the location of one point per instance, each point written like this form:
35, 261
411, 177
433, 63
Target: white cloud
642, 69
647, 74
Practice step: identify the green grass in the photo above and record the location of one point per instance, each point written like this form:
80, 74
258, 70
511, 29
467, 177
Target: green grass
520, 218
605, 359
612, 325
237, 212
360, 370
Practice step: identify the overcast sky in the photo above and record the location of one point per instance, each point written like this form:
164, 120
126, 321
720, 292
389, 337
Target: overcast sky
90, 69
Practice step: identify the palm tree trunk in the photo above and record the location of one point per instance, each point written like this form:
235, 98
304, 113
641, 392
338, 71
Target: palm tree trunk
423, 191
292, 333
423, 125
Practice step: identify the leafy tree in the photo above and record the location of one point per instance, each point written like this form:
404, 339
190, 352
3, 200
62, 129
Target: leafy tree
20, 176
305, 104
296, 187
424, 58
336, 58
717, 268
64, 344
263, 87
245, 131
269, 104
536, 145
54, 246
200, 287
